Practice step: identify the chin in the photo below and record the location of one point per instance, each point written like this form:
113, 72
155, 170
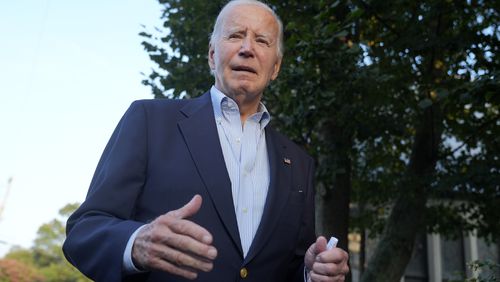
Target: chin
248, 90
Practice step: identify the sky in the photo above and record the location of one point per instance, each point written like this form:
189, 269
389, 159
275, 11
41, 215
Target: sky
68, 72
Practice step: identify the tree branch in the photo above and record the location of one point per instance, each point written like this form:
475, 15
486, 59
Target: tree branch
471, 136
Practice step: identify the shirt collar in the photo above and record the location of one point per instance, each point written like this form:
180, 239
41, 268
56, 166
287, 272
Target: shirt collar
223, 104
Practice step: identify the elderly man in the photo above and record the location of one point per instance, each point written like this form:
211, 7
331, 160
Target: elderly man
204, 189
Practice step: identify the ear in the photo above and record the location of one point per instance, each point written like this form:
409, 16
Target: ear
277, 67
211, 61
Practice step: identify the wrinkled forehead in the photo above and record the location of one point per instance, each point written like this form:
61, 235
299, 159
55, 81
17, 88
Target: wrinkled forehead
242, 15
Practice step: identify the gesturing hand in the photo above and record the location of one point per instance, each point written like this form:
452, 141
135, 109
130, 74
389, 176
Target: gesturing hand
174, 244
326, 265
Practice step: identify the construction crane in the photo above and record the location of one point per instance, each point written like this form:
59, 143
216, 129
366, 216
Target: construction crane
5, 196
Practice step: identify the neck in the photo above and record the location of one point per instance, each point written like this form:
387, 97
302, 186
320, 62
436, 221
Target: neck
246, 111
247, 104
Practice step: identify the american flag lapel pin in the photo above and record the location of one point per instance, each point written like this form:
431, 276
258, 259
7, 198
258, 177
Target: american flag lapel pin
287, 161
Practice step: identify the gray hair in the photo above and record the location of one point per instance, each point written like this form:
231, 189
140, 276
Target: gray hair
218, 22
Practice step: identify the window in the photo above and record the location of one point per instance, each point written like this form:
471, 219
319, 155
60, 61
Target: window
488, 252
416, 271
452, 259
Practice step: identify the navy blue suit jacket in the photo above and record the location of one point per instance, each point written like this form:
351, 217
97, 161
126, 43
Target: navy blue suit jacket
160, 155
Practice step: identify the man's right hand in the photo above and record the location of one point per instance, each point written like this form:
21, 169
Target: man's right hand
174, 244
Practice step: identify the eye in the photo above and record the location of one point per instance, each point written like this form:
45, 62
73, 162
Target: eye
234, 36
263, 41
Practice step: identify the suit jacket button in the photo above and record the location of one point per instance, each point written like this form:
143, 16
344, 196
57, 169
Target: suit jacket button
244, 272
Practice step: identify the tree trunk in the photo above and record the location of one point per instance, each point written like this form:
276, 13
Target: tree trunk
362, 251
332, 203
393, 252
333, 211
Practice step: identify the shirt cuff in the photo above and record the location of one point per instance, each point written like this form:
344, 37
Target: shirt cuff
128, 265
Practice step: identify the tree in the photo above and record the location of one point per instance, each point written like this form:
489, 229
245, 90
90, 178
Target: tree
438, 57
15, 270
396, 102
45, 260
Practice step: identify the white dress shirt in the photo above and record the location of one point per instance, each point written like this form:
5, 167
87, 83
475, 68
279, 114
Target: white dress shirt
245, 154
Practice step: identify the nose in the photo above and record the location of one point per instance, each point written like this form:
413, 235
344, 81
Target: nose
246, 49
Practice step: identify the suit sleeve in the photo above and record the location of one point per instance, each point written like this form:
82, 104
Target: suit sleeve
98, 231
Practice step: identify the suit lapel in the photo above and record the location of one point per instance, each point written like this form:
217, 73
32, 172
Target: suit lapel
277, 195
200, 134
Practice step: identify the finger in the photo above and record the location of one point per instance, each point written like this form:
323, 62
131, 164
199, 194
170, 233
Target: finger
320, 244
191, 237
180, 234
333, 263
310, 256
315, 277
188, 209
163, 265
149, 256
328, 269
184, 227
162, 233
335, 255
312, 252
184, 260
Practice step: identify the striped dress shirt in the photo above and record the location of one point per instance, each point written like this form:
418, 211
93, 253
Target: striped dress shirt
245, 154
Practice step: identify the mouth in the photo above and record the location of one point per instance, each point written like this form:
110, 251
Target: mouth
244, 68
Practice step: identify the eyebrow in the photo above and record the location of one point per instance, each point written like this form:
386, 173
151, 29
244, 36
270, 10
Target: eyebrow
237, 29
234, 29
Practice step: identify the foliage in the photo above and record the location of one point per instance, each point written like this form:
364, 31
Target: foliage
186, 31
14, 270
438, 68
487, 266
45, 260
398, 103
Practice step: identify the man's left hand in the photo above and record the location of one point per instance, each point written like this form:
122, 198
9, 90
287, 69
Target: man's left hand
326, 265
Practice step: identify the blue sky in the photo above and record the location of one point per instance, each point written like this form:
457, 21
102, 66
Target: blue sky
68, 71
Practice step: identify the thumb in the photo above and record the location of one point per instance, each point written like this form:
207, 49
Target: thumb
189, 209
315, 248
320, 245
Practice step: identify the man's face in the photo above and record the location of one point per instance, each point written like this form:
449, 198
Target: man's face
244, 57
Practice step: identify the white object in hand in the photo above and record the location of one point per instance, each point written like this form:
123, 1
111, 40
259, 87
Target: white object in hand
332, 243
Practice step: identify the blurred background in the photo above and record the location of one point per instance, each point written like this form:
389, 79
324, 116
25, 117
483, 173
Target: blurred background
68, 71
